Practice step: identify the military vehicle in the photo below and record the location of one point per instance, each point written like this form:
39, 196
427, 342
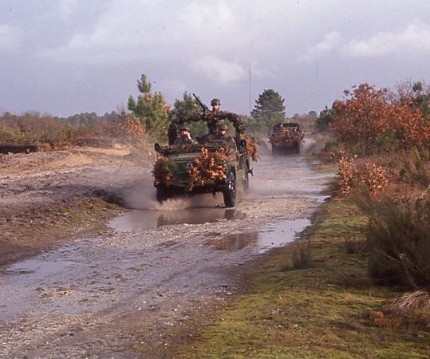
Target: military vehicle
286, 138
205, 166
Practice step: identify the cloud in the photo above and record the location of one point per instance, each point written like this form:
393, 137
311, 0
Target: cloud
330, 43
8, 37
160, 30
414, 38
211, 17
67, 7
118, 36
220, 71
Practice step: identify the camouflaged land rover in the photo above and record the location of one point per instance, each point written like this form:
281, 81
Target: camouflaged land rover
204, 166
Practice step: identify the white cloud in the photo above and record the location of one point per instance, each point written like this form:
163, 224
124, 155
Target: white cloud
210, 17
8, 37
127, 32
329, 44
136, 30
162, 31
67, 7
415, 38
219, 71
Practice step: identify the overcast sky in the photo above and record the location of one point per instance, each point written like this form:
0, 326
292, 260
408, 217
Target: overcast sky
65, 57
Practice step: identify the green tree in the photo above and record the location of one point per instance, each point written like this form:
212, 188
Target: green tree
414, 94
421, 97
144, 85
150, 109
269, 109
325, 118
189, 108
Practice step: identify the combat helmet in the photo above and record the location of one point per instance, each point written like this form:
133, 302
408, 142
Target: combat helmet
222, 126
215, 101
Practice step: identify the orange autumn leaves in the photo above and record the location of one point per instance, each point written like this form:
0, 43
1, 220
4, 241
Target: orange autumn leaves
371, 121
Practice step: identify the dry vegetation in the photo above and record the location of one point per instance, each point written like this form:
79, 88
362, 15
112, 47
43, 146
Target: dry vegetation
358, 284
46, 132
384, 167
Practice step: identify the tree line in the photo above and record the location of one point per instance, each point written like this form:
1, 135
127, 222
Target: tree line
148, 109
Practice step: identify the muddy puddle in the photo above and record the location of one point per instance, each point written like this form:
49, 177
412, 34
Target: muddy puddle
273, 236
144, 220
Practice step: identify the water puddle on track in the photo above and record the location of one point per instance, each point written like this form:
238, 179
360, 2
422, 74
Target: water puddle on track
273, 236
143, 220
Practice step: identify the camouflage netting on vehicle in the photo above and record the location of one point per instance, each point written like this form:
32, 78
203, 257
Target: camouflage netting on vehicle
189, 148
286, 134
251, 147
282, 138
209, 166
163, 170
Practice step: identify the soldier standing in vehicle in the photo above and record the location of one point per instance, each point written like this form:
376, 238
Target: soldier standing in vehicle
212, 116
216, 105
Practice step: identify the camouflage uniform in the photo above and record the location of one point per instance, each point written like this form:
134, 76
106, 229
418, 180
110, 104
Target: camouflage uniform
222, 138
212, 118
184, 140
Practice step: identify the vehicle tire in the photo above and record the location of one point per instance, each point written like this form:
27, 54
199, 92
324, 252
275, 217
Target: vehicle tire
229, 192
297, 148
162, 194
245, 177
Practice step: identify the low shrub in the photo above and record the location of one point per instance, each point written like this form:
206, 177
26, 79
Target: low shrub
415, 166
398, 241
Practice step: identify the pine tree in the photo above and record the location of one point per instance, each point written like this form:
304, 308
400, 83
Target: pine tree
189, 108
269, 109
150, 109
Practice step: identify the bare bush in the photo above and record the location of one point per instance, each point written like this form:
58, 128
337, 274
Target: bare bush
412, 307
398, 240
48, 131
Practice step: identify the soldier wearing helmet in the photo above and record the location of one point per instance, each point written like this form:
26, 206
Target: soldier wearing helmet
221, 135
222, 128
216, 105
212, 116
185, 137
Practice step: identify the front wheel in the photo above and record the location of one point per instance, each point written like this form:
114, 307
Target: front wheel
245, 179
229, 192
161, 194
297, 148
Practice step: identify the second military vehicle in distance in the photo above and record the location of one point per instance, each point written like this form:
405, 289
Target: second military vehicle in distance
286, 138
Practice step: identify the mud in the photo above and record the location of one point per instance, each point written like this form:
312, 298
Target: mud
152, 273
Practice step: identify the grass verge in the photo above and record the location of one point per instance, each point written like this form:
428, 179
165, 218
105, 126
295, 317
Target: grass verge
322, 306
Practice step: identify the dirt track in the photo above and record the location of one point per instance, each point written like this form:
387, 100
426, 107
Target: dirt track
129, 292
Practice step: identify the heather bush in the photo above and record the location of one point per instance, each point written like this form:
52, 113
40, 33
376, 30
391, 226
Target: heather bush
414, 166
36, 129
398, 240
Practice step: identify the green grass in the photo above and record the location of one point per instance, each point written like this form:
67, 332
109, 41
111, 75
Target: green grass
325, 310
